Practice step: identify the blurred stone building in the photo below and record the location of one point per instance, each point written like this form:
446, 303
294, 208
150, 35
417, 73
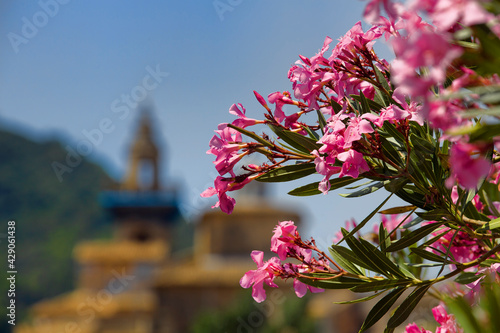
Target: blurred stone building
137, 282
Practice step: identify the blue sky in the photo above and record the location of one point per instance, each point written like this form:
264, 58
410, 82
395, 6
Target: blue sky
66, 65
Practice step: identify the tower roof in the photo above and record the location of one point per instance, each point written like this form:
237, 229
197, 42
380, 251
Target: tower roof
143, 166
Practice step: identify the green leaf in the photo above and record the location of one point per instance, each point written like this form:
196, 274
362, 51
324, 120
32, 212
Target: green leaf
364, 191
381, 78
364, 103
341, 282
288, 172
381, 285
372, 104
468, 277
345, 258
389, 266
398, 210
383, 237
296, 140
312, 189
429, 255
485, 133
422, 144
413, 237
493, 224
359, 300
336, 106
381, 308
321, 121
395, 185
437, 214
391, 129
465, 317
371, 257
411, 195
403, 311
252, 135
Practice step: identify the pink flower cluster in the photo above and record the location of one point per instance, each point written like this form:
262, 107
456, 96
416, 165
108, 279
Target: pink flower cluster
226, 145
286, 243
425, 55
446, 321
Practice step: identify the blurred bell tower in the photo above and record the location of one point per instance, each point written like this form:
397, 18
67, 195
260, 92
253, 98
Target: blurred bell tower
142, 209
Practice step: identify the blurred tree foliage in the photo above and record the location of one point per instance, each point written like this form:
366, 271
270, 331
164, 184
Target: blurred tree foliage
51, 215
247, 316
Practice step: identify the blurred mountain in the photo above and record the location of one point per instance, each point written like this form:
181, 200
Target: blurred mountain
51, 213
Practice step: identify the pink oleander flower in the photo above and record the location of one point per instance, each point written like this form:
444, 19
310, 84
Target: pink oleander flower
225, 145
242, 121
423, 47
372, 10
390, 222
356, 127
464, 168
265, 273
348, 225
463, 247
447, 322
280, 99
325, 166
446, 13
283, 242
413, 328
353, 165
475, 287
302, 288
221, 186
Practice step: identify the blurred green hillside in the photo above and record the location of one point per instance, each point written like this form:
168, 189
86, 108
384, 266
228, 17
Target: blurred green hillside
51, 216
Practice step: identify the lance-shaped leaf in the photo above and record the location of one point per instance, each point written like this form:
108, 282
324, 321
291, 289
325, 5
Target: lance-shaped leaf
252, 135
371, 257
465, 317
312, 189
367, 104
382, 79
381, 308
492, 225
381, 285
336, 106
437, 214
422, 144
288, 172
411, 195
407, 306
392, 131
398, 210
429, 255
383, 237
364, 191
413, 237
341, 282
346, 259
296, 140
359, 300
468, 277
321, 121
